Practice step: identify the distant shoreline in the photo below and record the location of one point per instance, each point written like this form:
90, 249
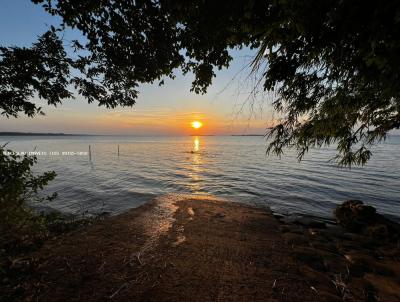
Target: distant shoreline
39, 134
85, 134
247, 135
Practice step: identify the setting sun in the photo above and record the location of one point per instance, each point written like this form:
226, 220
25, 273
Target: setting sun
197, 124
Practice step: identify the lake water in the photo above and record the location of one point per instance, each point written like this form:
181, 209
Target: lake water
229, 167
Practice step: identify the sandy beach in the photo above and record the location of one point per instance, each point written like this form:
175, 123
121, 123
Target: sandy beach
186, 248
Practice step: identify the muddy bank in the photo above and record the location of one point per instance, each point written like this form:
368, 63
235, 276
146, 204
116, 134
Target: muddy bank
184, 248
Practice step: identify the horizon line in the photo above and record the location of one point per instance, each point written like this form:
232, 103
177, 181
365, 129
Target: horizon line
18, 133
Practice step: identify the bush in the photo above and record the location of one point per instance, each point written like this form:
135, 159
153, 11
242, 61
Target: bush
20, 228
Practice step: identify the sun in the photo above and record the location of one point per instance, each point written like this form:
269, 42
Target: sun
197, 124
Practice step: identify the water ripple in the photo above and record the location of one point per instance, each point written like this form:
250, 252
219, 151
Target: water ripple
228, 167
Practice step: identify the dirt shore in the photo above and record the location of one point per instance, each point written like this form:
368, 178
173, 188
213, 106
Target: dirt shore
185, 248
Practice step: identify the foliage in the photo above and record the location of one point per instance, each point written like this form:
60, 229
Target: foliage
41, 69
46, 71
336, 69
19, 187
334, 64
22, 231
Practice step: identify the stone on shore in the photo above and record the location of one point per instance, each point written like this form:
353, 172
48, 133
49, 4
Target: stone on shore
356, 217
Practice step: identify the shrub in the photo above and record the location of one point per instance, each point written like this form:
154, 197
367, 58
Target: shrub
20, 228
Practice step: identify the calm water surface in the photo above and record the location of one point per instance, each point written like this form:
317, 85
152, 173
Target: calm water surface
228, 167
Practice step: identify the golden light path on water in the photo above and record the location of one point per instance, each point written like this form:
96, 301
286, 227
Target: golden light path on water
196, 144
197, 167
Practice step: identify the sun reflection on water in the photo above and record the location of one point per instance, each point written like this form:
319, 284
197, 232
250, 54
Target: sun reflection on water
196, 144
196, 167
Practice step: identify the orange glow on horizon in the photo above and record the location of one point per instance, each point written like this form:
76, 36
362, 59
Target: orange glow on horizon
164, 122
196, 124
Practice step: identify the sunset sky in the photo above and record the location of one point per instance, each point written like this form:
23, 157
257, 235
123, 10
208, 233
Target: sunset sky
166, 110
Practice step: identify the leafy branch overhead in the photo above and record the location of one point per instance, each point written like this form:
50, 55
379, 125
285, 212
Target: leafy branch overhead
334, 64
45, 70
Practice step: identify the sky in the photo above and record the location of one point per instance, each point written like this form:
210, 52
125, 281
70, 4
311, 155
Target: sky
166, 110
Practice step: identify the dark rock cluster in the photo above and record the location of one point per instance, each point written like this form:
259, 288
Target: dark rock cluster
356, 217
355, 259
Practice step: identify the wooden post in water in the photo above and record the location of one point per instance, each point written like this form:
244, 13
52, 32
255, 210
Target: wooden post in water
118, 150
90, 154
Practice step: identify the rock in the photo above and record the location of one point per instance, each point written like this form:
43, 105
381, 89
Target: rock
353, 237
311, 223
292, 228
284, 228
324, 245
378, 231
313, 232
278, 216
356, 217
296, 239
105, 214
333, 231
310, 257
289, 219
305, 221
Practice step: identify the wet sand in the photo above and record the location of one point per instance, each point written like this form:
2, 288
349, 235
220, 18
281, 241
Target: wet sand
185, 248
